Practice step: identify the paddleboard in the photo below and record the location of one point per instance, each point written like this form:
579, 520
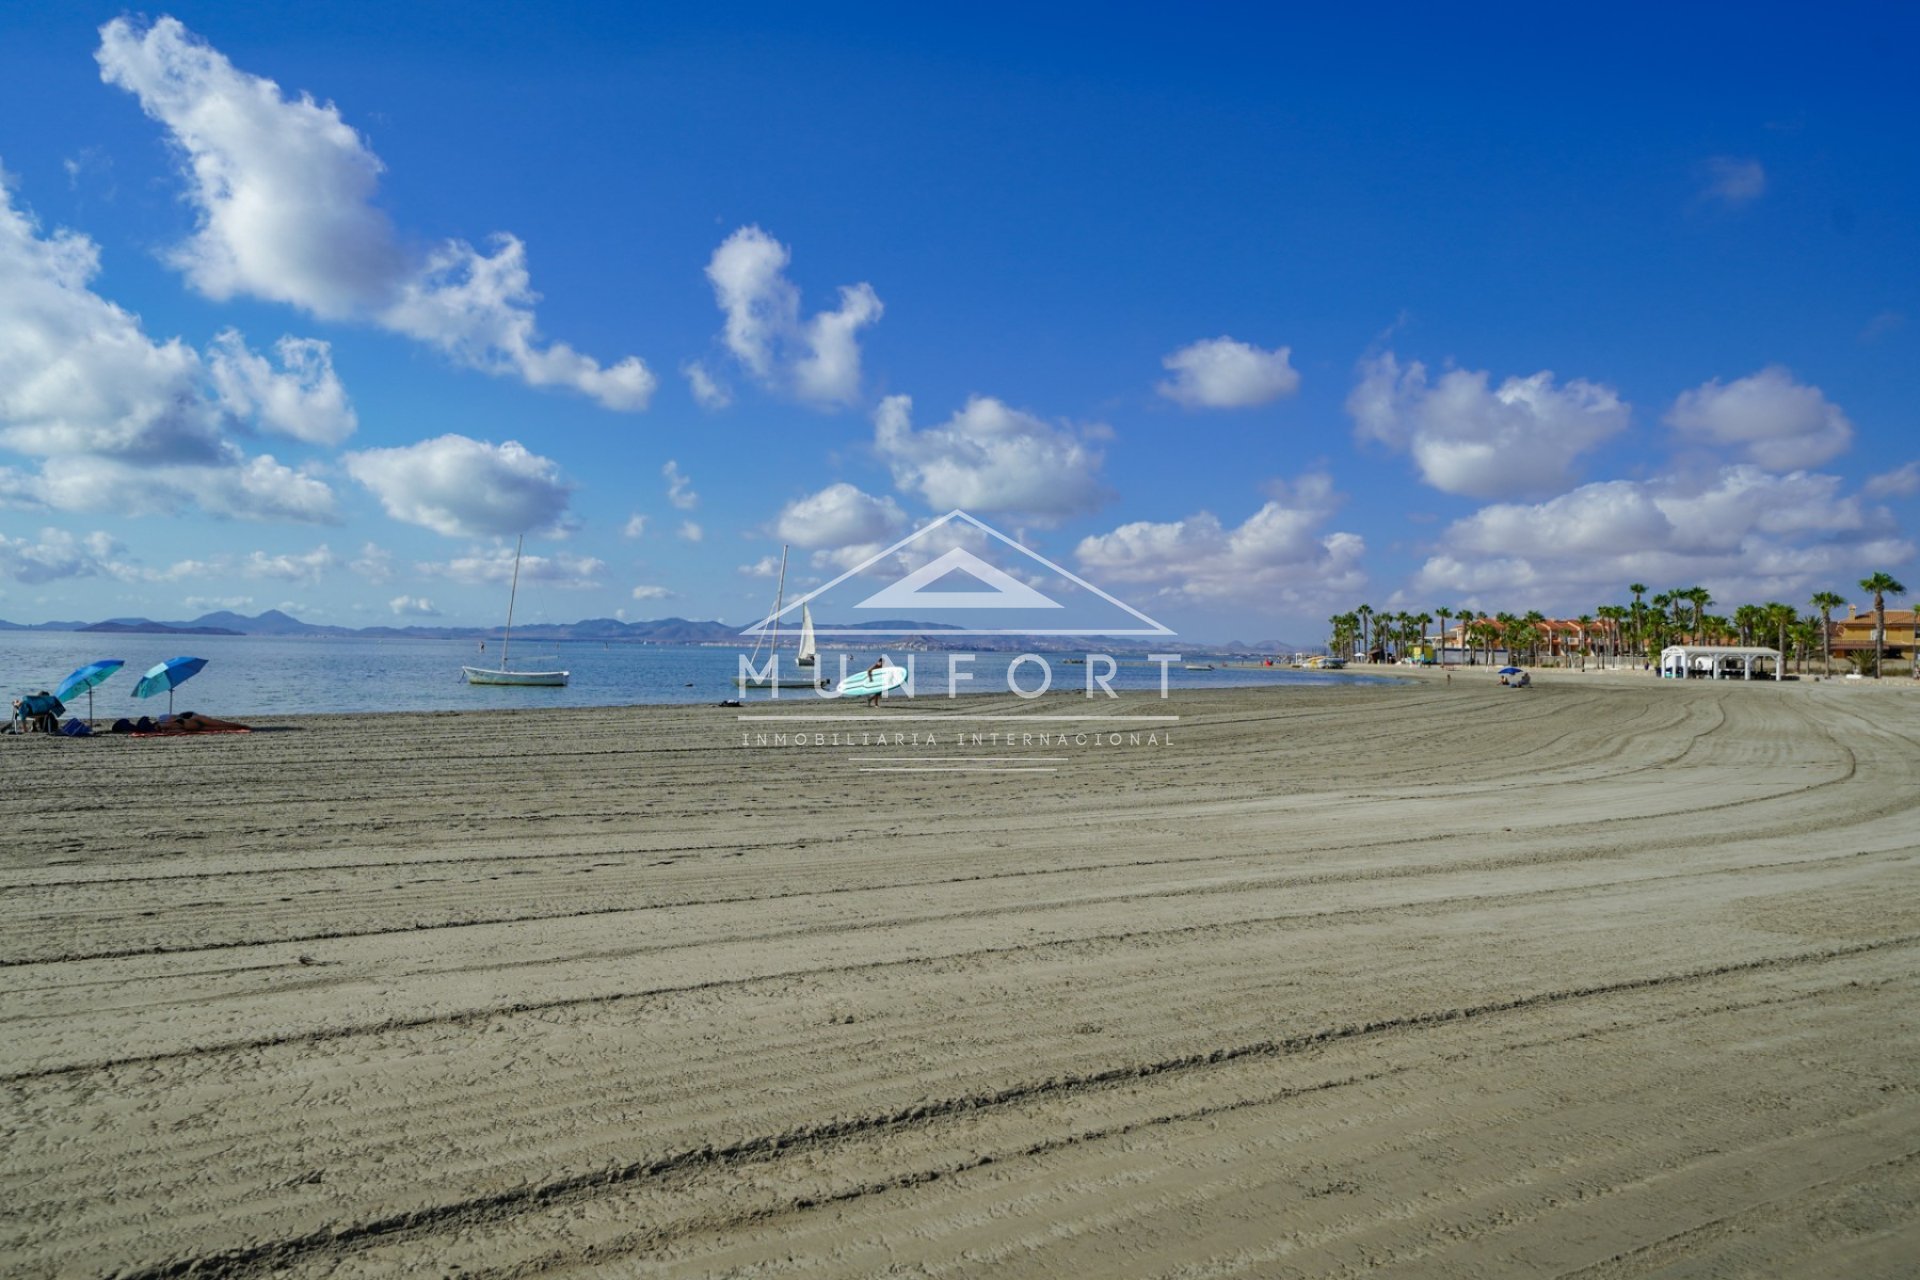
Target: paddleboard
868, 683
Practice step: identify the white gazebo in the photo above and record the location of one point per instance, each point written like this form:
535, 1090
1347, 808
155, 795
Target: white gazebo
1716, 662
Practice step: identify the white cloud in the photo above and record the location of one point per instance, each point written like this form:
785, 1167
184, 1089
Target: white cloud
679, 487
764, 567
373, 564
1278, 558
284, 194
1732, 181
841, 525
1220, 373
56, 554
1773, 420
708, 393
259, 488
691, 532
310, 566
494, 566
463, 487
210, 604
413, 607
635, 527
478, 308
838, 515
127, 424
1743, 532
816, 360
991, 458
302, 399
651, 593
1901, 482
1517, 440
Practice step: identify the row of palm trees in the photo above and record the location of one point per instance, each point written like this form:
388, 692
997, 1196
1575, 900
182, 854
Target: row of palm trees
1643, 627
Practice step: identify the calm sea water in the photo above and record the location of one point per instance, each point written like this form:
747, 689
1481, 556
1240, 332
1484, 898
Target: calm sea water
267, 675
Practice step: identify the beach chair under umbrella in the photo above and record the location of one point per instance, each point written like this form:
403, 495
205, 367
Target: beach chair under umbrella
87, 677
166, 675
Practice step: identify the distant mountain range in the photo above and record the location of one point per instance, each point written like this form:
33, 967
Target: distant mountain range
608, 630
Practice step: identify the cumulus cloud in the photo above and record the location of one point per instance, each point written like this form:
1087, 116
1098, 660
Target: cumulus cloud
373, 564
309, 566
413, 607
284, 191
764, 567
125, 423
1732, 181
691, 532
303, 398
259, 488
1744, 532
1280, 557
815, 360
1519, 439
1768, 417
495, 566
56, 554
708, 392
841, 525
1901, 482
837, 515
679, 487
463, 487
645, 592
635, 527
991, 458
1220, 373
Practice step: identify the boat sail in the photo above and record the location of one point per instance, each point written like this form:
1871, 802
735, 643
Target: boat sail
808, 654
809, 677
504, 673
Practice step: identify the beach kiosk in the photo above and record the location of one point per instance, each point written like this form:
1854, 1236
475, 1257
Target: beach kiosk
1716, 662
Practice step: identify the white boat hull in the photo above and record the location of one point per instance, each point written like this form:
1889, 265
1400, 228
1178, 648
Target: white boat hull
544, 679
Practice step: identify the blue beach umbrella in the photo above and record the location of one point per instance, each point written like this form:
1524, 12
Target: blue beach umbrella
87, 677
1509, 671
165, 675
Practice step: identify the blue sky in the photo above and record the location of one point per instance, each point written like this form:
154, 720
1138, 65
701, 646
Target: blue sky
1246, 315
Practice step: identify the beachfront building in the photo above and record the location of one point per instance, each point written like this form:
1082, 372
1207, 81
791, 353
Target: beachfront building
1854, 633
1717, 662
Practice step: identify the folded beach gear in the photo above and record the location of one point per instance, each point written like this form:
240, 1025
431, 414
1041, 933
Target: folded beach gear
76, 729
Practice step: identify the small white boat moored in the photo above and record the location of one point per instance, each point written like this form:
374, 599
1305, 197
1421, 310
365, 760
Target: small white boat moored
504, 674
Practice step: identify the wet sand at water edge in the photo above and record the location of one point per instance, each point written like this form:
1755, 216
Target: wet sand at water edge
1599, 979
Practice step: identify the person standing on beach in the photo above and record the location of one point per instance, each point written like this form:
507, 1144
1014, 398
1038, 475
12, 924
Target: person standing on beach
878, 663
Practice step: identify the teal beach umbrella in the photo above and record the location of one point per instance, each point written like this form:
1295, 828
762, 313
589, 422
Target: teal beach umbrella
87, 677
165, 675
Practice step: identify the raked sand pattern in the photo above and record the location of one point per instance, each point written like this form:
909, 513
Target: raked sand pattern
1607, 978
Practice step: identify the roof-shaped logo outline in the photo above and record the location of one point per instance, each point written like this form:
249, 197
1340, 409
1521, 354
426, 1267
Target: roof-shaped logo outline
1000, 598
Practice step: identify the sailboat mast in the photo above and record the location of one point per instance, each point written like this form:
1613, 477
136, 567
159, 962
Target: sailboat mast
513, 592
779, 598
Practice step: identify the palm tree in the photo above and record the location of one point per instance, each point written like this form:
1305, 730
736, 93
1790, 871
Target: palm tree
1826, 602
1882, 585
1780, 617
1586, 643
1701, 598
1445, 612
1365, 614
1639, 589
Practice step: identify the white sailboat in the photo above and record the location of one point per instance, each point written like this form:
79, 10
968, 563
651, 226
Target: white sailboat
808, 654
504, 674
809, 677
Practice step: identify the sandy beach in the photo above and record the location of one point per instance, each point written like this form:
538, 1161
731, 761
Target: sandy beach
1610, 977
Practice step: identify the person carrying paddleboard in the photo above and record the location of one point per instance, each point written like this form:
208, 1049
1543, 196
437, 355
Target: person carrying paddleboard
878, 663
